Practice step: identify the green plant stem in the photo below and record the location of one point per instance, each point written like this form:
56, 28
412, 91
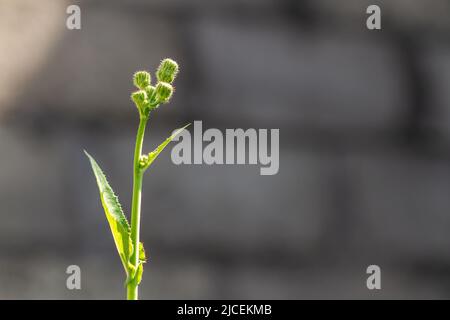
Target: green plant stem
132, 286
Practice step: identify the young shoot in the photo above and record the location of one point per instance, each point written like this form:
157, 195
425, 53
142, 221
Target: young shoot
126, 236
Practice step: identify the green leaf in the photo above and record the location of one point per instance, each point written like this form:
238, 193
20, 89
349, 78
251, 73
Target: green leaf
118, 223
135, 274
142, 257
140, 271
131, 275
155, 153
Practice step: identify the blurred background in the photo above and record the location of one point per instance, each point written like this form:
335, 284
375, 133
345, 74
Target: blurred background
364, 119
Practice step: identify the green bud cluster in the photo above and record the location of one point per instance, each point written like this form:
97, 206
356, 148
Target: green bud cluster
126, 235
149, 97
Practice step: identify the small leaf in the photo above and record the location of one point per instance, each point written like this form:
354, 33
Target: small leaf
155, 153
118, 223
130, 274
135, 274
139, 272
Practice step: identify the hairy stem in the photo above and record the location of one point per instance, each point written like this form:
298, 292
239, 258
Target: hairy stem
132, 287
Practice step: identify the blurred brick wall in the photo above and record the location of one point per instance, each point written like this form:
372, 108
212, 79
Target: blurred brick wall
364, 157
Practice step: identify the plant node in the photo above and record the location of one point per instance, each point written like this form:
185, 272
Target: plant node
142, 79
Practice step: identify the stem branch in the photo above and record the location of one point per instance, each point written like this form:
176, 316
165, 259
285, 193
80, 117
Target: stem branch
132, 287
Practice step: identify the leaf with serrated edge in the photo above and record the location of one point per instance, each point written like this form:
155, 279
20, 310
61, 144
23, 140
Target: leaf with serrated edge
118, 223
155, 153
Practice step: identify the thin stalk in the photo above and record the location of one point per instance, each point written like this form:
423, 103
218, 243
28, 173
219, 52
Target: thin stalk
132, 287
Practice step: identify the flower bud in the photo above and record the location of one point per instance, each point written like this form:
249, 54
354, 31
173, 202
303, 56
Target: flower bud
139, 98
149, 90
167, 71
141, 79
163, 92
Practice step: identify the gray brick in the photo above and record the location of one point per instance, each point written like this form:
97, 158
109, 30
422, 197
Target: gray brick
45, 277
401, 203
38, 25
32, 196
403, 14
436, 62
275, 74
90, 71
